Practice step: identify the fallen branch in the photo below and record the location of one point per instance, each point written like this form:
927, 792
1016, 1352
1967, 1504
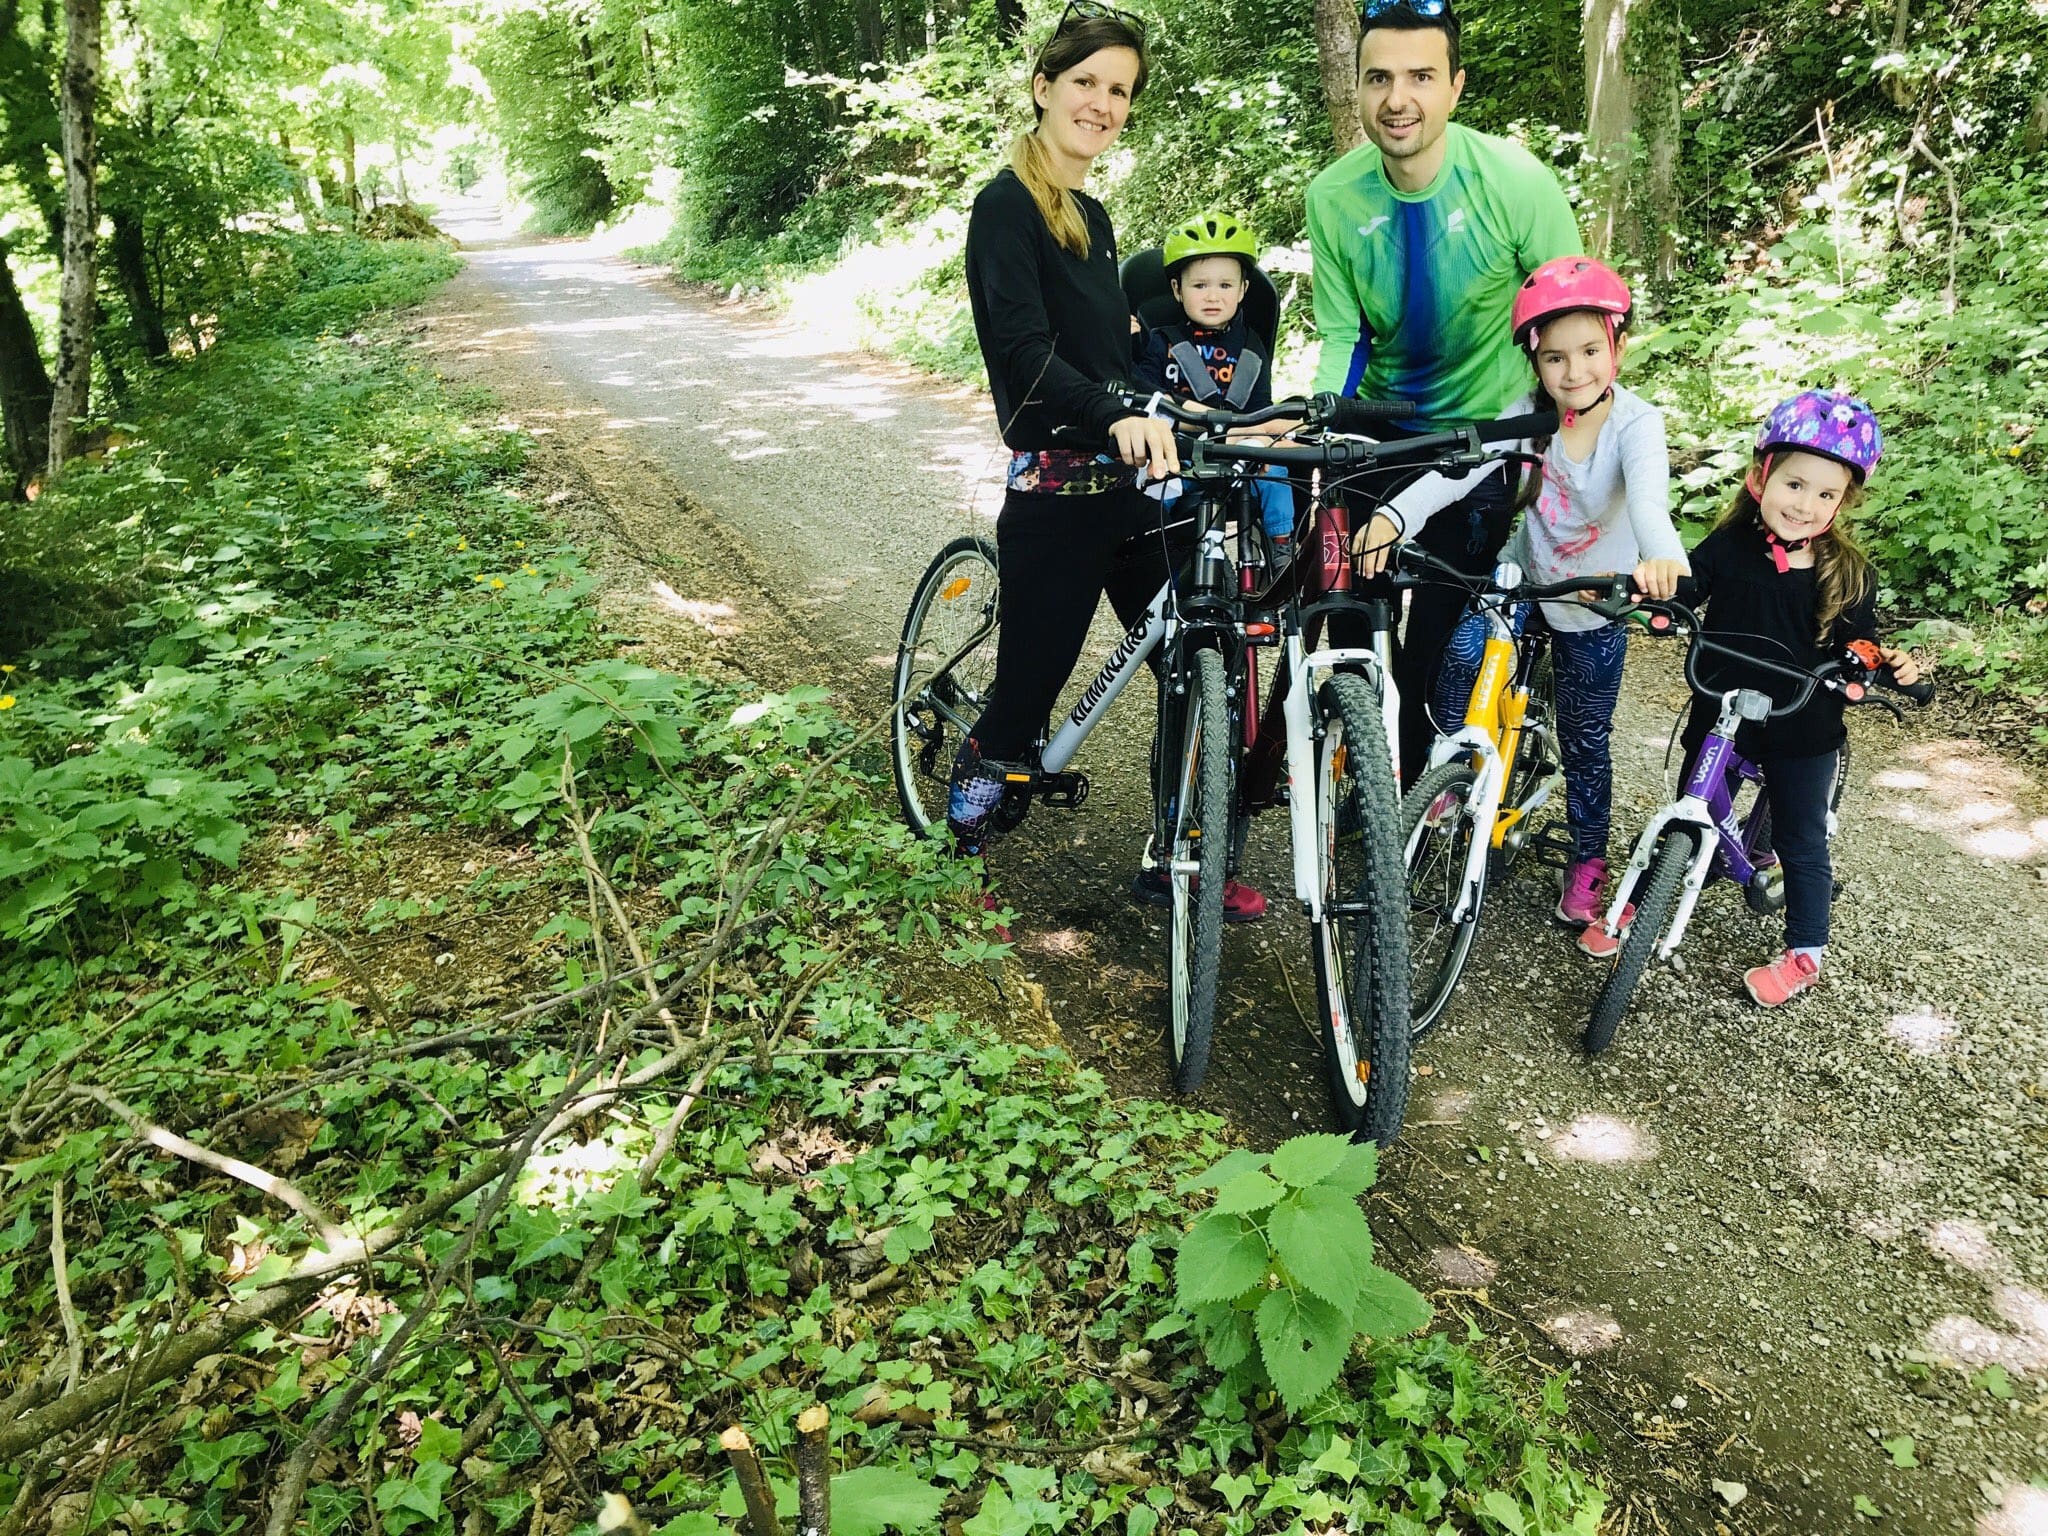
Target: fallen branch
813, 1472
60, 1266
281, 1190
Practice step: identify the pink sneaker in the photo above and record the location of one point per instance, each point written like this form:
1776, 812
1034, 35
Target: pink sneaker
1580, 904
1241, 903
1773, 985
1595, 941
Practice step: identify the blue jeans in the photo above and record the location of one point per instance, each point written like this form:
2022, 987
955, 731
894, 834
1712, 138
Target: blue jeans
1276, 502
1587, 666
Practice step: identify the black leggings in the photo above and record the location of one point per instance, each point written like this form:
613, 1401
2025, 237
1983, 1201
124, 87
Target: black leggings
1058, 555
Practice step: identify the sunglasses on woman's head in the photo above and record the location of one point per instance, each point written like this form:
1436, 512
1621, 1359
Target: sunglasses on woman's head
1093, 10
1429, 10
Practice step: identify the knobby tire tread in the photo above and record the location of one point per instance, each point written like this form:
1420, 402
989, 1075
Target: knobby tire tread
1188, 1057
1371, 999
1659, 887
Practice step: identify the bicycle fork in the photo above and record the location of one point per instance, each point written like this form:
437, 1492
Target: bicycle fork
1690, 811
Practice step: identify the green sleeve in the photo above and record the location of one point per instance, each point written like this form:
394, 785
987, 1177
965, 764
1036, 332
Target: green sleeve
1336, 298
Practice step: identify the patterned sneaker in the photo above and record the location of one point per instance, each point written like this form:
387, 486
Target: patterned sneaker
1580, 904
1241, 903
1595, 942
1773, 985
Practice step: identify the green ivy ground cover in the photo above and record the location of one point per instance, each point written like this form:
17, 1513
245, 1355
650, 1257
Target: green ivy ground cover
302, 685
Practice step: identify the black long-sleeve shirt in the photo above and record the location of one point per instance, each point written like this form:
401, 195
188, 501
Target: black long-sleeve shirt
1054, 329
1750, 603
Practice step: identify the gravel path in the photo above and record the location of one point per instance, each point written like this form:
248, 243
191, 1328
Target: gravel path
1799, 1258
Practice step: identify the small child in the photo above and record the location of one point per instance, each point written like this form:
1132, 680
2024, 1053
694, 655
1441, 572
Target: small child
1781, 575
1601, 504
1210, 356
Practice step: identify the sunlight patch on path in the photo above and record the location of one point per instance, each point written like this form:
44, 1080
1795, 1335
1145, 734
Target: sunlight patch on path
2024, 1512
1923, 1032
1604, 1139
1962, 793
1582, 1331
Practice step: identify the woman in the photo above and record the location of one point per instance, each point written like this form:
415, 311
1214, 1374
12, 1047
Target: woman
1055, 329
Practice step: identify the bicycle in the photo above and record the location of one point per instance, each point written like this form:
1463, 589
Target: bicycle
1698, 838
1206, 629
1468, 815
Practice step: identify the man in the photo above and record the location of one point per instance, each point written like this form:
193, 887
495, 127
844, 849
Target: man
1420, 238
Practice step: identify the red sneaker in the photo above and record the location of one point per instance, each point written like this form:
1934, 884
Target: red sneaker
1579, 903
1773, 985
1595, 941
1241, 903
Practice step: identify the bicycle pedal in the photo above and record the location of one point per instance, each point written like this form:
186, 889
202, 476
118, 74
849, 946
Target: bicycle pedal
1065, 790
1552, 845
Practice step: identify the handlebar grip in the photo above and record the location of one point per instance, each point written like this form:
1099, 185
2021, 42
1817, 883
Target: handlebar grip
1919, 692
1361, 416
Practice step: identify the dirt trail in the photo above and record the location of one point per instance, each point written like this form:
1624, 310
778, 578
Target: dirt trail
1775, 1244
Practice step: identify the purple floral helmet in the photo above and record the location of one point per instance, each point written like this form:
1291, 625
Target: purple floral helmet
1831, 422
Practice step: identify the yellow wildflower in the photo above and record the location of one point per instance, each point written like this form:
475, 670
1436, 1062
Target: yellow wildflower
519, 543
7, 667
479, 576
524, 570
6, 701
461, 545
497, 583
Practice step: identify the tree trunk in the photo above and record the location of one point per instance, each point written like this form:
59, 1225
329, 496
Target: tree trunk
867, 22
24, 384
1337, 58
1896, 86
131, 262
72, 387
1009, 19
350, 194
1610, 121
2036, 134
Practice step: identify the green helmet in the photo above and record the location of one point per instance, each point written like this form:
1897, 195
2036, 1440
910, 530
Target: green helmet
1210, 233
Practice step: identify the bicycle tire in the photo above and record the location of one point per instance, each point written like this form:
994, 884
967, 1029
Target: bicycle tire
1200, 818
1361, 955
1533, 763
1434, 853
1659, 888
955, 612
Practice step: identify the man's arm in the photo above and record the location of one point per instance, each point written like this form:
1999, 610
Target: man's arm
1337, 311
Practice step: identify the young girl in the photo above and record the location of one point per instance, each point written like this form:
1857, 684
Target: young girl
1781, 576
1601, 504
1055, 329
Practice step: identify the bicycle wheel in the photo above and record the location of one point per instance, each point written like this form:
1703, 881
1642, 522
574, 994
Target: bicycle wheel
945, 667
1361, 942
1437, 830
1199, 815
1535, 761
1657, 893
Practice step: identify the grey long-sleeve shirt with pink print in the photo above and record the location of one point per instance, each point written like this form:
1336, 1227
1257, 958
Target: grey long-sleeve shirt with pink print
1605, 512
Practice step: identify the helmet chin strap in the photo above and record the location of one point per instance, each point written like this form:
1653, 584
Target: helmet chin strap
1781, 549
1570, 417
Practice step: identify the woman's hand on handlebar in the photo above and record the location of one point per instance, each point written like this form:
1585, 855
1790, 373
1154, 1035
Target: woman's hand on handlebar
1147, 441
1905, 670
1373, 545
1659, 579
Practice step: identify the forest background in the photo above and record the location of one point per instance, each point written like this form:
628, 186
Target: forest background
280, 609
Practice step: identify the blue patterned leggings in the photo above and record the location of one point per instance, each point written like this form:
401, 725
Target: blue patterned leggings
1587, 666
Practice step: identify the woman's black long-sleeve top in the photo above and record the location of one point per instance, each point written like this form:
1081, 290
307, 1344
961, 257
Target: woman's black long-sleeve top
1054, 328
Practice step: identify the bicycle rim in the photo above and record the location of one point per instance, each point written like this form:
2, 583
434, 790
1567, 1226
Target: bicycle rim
1438, 828
954, 617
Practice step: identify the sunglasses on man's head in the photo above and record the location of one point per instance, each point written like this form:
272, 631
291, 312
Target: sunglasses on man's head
1374, 10
1093, 10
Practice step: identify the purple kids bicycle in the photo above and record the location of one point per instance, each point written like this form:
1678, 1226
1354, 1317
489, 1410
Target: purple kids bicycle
1698, 837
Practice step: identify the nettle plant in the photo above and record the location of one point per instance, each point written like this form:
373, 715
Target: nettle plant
1278, 1278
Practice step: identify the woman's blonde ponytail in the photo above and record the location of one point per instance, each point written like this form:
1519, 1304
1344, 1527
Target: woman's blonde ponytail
1056, 205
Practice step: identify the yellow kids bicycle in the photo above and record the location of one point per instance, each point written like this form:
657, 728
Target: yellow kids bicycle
1470, 813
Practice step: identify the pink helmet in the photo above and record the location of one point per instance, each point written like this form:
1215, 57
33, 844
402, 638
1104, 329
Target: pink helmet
1831, 422
1565, 284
